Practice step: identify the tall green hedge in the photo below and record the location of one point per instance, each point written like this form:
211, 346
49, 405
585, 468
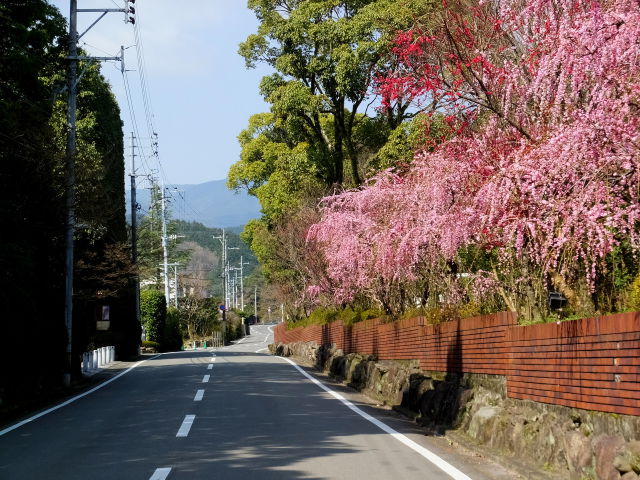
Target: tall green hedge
172, 333
153, 313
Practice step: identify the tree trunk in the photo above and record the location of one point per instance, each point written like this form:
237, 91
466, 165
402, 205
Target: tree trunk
578, 297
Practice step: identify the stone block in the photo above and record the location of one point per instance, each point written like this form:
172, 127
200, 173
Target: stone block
480, 428
605, 448
627, 457
630, 476
577, 450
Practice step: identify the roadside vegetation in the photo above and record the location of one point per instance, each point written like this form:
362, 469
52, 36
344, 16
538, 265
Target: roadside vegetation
33, 41
446, 159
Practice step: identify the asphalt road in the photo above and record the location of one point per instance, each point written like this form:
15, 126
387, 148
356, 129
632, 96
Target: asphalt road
228, 413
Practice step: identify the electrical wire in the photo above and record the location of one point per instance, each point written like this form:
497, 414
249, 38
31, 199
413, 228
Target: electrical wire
152, 136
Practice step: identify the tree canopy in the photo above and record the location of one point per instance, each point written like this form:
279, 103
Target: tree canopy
33, 41
327, 128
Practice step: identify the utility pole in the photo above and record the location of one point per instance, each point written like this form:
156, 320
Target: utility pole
223, 272
235, 287
134, 233
165, 247
226, 270
70, 160
231, 293
242, 264
175, 281
232, 285
70, 182
255, 303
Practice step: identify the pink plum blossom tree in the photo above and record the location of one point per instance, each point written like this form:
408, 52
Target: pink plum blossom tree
544, 97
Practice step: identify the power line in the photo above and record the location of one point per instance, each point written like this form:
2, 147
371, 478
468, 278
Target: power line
152, 150
134, 122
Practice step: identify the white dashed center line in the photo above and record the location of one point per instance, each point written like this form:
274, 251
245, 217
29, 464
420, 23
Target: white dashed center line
205, 379
199, 395
160, 474
186, 426
210, 366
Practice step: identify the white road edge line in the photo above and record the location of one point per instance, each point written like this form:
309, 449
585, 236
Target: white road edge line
160, 474
183, 431
71, 400
261, 350
205, 379
199, 395
446, 467
210, 366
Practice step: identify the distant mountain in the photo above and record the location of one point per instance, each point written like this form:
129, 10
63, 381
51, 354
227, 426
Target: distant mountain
210, 203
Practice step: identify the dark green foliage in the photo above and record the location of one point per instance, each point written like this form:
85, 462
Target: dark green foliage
153, 313
33, 42
172, 332
31, 299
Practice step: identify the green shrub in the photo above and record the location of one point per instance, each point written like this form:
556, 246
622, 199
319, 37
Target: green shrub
633, 303
172, 332
240, 330
348, 316
153, 313
445, 313
149, 344
323, 315
372, 313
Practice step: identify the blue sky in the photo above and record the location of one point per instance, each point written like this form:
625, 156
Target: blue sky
201, 95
